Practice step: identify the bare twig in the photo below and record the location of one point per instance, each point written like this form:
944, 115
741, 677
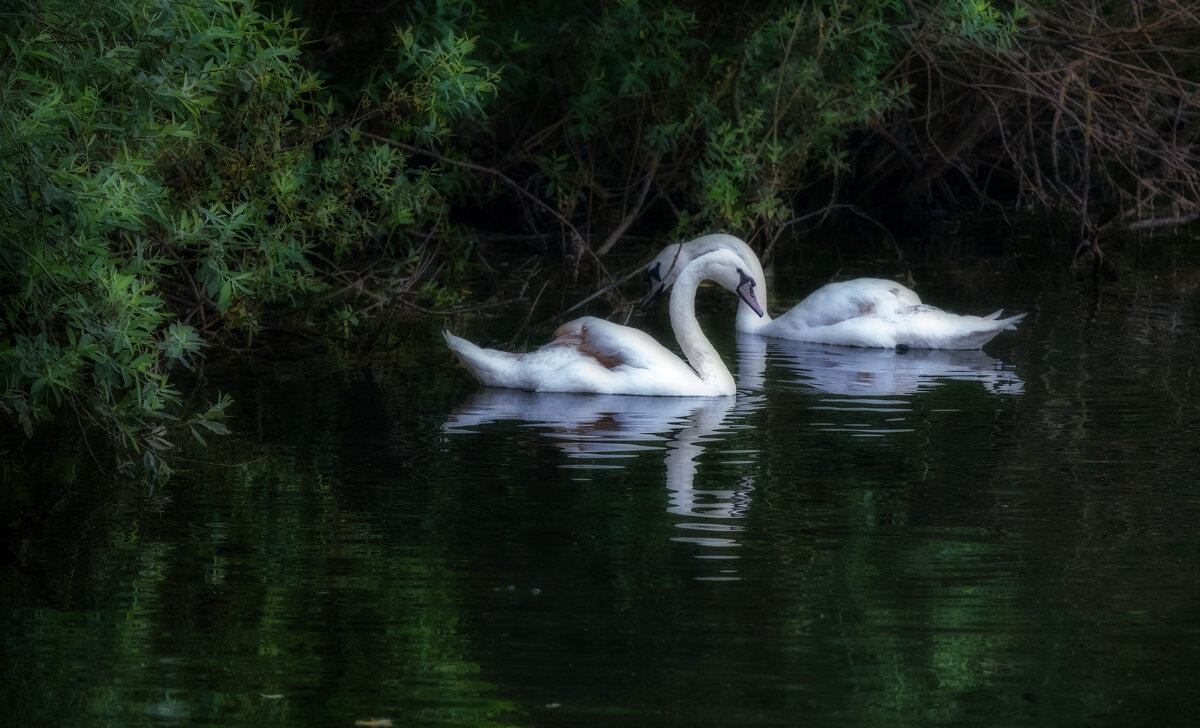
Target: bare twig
823, 212
634, 212
1104, 97
611, 286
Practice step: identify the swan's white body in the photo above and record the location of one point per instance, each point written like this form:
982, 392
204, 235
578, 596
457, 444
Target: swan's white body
868, 312
593, 355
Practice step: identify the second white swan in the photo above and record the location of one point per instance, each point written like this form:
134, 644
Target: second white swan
593, 355
867, 312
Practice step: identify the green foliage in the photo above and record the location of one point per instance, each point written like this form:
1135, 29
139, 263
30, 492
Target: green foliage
738, 117
982, 23
735, 114
174, 175
979, 22
445, 82
172, 169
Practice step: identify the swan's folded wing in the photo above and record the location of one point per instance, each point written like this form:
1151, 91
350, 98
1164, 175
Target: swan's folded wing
613, 345
836, 302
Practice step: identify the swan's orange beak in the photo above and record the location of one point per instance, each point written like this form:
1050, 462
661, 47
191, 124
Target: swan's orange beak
745, 291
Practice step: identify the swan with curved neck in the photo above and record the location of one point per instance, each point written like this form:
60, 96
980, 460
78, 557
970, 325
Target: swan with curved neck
867, 312
593, 355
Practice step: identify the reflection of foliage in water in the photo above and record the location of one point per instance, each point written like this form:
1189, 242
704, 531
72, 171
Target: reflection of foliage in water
1025, 558
228, 595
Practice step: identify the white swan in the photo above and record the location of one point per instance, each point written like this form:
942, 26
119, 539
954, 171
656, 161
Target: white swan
868, 312
593, 355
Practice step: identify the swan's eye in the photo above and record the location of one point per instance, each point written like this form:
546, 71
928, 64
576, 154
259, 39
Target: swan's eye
654, 273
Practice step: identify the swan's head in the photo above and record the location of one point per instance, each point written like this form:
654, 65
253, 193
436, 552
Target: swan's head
722, 265
745, 291
667, 265
663, 271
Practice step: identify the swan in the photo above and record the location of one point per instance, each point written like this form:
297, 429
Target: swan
593, 355
867, 312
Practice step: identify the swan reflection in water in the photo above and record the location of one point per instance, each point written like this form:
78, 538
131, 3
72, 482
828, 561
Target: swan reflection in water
879, 382
595, 430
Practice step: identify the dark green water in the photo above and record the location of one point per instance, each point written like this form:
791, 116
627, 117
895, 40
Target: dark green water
858, 539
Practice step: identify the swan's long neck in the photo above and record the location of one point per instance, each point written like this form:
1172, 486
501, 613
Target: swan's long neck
697, 349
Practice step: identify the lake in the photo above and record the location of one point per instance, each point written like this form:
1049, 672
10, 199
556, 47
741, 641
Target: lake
859, 538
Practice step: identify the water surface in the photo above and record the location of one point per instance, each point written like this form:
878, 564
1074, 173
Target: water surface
859, 538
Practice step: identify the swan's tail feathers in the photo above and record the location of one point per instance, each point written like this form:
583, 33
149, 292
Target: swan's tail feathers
1010, 323
986, 329
936, 329
489, 366
993, 315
